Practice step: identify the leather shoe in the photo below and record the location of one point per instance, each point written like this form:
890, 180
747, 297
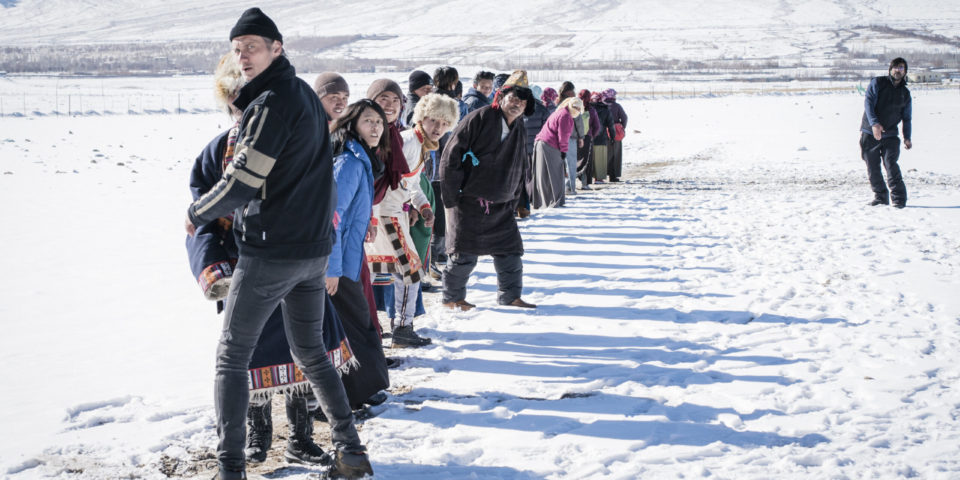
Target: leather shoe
520, 303
461, 305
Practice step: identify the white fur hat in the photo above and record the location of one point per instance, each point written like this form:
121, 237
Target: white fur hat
227, 81
437, 106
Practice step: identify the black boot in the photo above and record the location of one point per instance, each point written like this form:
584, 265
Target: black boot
300, 446
353, 464
405, 337
259, 432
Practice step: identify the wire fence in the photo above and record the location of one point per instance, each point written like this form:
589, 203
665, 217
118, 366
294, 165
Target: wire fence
197, 102
42, 105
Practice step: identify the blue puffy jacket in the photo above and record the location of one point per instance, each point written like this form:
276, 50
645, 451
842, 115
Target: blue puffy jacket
353, 173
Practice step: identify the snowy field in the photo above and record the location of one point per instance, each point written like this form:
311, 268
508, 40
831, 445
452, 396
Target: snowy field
734, 310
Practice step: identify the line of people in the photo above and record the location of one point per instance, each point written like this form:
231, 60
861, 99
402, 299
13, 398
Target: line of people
311, 213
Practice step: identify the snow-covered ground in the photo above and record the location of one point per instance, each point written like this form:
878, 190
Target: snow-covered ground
733, 310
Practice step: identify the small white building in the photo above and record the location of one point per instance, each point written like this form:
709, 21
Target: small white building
924, 77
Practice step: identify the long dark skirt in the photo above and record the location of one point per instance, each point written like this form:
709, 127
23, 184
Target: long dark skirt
615, 160
371, 376
548, 189
585, 161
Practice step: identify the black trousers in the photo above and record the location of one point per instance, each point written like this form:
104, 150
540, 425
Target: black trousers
886, 151
460, 265
585, 161
437, 243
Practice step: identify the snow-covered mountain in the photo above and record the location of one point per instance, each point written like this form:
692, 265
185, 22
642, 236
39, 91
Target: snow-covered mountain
640, 32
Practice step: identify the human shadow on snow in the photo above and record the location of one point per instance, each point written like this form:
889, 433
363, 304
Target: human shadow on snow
650, 432
600, 347
569, 369
619, 266
423, 472
594, 403
580, 290
531, 245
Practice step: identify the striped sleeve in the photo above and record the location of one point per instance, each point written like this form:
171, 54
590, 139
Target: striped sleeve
259, 143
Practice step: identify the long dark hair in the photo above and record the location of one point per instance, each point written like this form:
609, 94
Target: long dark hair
345, 128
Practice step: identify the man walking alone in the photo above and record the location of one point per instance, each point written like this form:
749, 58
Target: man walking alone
887, 104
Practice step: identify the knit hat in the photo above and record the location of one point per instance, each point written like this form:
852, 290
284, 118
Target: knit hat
609, 95
549, 96
437, 106
255, 22
330, 82
419, 78
596, 97
384, 85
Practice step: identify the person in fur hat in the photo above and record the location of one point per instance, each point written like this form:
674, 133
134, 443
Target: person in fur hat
483, 170
434, 116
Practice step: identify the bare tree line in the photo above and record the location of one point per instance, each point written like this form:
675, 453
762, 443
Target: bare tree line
200, 57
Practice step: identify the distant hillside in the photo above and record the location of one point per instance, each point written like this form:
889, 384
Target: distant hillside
831, 38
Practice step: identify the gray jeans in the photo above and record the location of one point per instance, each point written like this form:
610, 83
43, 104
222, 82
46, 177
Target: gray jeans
460, 265
258, 286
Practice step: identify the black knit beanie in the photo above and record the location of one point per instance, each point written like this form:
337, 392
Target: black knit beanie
255, 22
418, 79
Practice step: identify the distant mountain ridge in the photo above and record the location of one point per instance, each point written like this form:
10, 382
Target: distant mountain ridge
840, 36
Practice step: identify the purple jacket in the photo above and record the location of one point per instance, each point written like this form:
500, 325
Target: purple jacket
594, 122
557, 129
619, 116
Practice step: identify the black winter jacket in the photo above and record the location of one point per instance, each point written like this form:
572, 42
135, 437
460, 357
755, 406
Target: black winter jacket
280, 182
607, 131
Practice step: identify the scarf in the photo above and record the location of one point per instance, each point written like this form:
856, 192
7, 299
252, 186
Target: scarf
226, 223
395, 166
427, 145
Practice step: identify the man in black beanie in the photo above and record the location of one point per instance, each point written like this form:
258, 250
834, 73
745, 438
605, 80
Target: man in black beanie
887, 103
282, 162
420, 85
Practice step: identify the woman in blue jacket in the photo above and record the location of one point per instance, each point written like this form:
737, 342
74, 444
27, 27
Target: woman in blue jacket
359, 141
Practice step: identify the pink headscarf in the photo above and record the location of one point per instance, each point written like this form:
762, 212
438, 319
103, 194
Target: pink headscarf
549, 96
